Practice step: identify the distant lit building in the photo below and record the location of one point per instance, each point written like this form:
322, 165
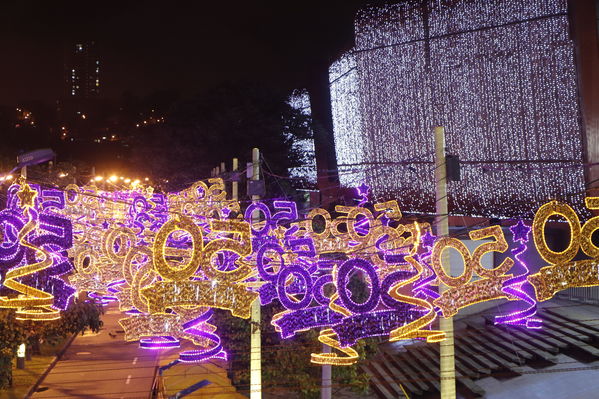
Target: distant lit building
24, 118
82, 71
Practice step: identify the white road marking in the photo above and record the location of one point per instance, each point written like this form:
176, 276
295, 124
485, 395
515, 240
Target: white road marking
128, 379
83, 353
135, 360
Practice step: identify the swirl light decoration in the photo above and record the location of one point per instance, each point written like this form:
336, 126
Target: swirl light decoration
31, 303
52, 232
517, 285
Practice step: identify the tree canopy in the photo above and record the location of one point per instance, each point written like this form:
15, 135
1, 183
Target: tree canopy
226, 122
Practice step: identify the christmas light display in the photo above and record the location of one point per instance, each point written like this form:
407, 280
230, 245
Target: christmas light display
168, 266
300, 101
504, 72
563, 273
31, 303
462, 290
516, 286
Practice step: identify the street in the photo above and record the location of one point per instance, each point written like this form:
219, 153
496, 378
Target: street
101, 365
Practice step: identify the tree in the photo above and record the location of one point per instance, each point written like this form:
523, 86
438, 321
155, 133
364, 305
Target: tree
12, 334
286, 365
79, 316
217, 126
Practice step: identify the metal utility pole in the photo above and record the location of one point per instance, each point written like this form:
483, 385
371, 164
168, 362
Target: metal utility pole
447, 355
255, 339
326, 390
234, 183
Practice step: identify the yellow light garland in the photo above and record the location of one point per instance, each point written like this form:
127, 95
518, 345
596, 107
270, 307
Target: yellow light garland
464, 292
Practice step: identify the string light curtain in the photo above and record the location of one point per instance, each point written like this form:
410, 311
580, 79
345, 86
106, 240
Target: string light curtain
499, 75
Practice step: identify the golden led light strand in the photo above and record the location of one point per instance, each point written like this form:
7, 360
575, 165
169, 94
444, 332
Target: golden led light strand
563, 273
462, 291
327, 337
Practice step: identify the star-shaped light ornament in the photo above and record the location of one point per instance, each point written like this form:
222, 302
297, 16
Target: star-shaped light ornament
428, 240
520, 232
26, 196
363, 190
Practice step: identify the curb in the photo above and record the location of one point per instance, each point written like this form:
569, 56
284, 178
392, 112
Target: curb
50, 366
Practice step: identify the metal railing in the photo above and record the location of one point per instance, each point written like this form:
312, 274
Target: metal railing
581, 294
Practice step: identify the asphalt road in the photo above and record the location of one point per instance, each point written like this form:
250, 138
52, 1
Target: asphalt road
101, 365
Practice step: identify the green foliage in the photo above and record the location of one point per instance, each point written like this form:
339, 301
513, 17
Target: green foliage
286, 365
223, 123
78, 317
12, 334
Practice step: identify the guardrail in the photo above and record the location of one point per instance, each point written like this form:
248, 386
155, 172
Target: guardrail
581, 294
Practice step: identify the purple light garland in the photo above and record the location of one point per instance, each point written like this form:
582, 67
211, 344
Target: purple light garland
516, 286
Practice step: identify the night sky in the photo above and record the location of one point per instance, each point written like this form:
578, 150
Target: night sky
187, 46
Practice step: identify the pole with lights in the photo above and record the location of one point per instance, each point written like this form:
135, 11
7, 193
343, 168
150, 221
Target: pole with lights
255, 337
447, 350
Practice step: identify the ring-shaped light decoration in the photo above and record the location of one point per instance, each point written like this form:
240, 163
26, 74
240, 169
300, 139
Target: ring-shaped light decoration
282, 284
11, 249
591, 225
162, 267
251, 214
555, 208
263, 266
443, 244
343, 275
308, 224
241, 246
318, 289
126, 239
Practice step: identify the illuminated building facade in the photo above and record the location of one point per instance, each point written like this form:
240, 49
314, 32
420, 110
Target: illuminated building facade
501, 77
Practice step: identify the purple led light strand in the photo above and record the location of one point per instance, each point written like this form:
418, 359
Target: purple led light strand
193, 329
515, 285
162, 342
421, 287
